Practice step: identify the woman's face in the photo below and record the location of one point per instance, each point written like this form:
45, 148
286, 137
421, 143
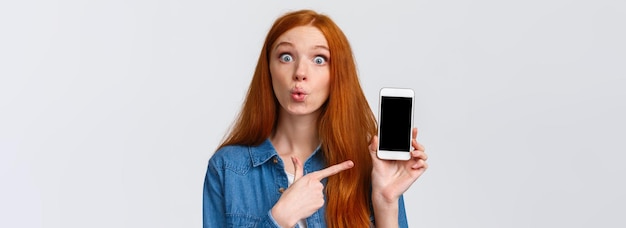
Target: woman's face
300, 71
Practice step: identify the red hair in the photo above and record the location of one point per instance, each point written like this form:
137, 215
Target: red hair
345, 125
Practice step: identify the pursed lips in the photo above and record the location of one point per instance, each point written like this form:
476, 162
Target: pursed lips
298, 94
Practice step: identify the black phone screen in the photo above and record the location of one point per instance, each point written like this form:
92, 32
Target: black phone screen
395, 123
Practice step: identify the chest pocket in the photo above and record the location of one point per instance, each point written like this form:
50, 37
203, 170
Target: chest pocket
240, 220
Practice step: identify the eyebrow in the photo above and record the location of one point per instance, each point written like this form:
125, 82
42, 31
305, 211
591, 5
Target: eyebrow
290, 44
282, 43
321, 47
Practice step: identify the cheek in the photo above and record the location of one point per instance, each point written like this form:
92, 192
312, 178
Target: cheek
272, 70
326, 79
279, 72
274, 75
325, 86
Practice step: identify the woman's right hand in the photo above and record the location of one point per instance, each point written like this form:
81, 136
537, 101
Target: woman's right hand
305, 195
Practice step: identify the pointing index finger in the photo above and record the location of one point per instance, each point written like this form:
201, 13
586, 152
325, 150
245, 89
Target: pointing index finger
321, 174
298, 170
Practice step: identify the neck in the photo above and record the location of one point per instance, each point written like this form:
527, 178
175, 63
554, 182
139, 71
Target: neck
296, 135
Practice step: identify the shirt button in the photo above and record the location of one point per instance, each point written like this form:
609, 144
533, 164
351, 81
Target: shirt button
275, 160
281, 190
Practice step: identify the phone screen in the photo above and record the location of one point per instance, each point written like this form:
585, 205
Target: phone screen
395, 123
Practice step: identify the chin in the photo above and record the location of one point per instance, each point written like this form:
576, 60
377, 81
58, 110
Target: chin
299, 112
302, 112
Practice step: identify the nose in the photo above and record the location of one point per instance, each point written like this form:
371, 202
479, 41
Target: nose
301, 71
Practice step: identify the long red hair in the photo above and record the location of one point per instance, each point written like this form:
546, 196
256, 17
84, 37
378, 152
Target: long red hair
346, 122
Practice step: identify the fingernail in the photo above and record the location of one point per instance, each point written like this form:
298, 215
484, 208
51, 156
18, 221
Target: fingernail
350, 163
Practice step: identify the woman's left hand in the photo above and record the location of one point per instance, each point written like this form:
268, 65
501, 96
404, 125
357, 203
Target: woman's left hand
391, 178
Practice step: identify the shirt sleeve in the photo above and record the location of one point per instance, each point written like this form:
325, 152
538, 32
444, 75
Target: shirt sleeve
213, 207
270, 222
402, 222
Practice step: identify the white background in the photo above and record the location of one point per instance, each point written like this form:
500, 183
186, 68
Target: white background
109, 110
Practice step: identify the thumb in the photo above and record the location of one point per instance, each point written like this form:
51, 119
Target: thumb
298, 169
374, 146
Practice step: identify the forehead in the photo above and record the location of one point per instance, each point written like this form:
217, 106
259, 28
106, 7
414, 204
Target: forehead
302, 36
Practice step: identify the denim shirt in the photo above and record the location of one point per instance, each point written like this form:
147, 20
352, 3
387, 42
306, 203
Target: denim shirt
243, 183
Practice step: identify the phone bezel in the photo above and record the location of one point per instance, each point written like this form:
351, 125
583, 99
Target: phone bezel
395, 92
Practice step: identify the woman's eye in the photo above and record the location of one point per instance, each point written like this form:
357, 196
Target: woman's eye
319, 60
286, 58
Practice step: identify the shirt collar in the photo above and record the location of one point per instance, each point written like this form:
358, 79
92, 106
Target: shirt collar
262, 153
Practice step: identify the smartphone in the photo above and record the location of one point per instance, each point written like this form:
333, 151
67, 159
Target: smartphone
395, 121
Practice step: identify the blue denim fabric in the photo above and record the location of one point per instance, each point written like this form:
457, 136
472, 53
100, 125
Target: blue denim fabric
243, 183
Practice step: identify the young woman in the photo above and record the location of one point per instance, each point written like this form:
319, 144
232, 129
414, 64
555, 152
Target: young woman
303, 149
